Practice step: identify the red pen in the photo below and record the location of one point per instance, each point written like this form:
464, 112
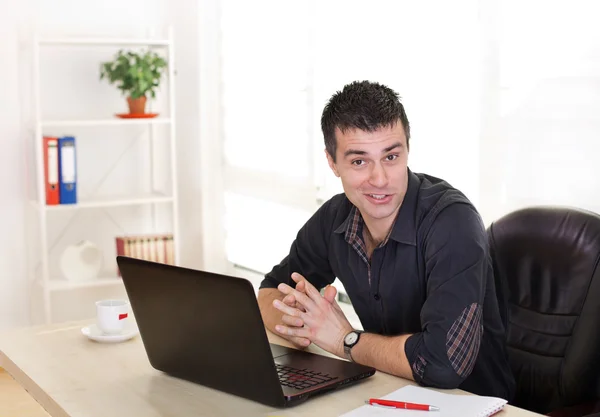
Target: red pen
401, 404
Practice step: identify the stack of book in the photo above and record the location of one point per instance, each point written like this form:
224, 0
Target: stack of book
155, 248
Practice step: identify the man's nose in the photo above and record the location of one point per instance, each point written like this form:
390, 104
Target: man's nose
378, 176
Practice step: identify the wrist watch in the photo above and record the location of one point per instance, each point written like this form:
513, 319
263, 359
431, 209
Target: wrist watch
350, 340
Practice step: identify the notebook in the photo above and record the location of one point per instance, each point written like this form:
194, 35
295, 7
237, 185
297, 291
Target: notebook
451, 405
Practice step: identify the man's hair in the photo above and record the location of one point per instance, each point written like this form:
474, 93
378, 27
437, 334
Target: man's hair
363, 105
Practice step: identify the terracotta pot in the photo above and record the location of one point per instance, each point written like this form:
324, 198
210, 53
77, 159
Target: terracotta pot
137, 105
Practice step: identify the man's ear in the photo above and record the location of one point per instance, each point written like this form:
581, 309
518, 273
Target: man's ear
331, 163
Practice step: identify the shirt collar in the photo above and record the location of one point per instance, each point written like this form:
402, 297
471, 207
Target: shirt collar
404, 228
354, 226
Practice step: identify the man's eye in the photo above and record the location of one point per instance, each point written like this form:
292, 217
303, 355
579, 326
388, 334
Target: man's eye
358, 162
391, 157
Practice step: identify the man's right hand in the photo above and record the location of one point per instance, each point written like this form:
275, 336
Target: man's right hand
272, 316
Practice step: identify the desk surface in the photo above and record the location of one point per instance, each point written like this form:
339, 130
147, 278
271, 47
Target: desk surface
71, 376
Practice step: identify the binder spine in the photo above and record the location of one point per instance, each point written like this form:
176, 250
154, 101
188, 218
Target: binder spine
67, 165
51, 170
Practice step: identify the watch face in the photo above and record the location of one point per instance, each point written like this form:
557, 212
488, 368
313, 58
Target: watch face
350, 338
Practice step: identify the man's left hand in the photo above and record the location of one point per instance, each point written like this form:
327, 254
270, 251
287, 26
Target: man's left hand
324, 322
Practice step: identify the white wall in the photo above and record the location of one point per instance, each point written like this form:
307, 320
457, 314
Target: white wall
196, 34
13, 298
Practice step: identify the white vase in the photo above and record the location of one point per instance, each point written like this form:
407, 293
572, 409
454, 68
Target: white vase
81, 261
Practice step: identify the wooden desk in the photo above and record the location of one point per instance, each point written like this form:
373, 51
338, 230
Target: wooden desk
71, 376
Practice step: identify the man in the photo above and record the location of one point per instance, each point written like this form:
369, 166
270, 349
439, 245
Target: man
411, 252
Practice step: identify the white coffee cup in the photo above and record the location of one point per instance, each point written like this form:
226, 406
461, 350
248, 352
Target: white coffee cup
112, 315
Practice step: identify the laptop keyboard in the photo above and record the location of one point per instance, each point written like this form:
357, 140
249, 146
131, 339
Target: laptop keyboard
300, 378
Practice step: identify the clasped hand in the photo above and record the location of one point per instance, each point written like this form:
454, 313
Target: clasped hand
312, 317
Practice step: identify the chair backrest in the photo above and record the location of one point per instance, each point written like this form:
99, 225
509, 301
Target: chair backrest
546, 270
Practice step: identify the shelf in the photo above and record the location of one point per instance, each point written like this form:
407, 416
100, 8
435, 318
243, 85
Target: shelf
63, 284
104, 122
109, 202
103, 41
157, 194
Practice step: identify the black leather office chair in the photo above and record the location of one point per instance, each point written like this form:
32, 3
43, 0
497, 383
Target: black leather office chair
546, 268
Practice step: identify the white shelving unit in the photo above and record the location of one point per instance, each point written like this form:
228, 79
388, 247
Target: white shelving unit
104, 122
49, 284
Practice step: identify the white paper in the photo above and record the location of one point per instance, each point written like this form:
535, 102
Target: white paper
450, 405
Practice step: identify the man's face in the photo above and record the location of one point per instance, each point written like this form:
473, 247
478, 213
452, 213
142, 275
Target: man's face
373, 170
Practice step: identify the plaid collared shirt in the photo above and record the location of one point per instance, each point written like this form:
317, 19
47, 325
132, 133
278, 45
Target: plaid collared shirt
355, 238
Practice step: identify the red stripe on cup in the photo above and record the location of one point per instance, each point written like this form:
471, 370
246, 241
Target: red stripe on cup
122, 316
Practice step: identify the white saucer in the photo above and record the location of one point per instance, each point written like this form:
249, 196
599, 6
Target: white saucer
94, 333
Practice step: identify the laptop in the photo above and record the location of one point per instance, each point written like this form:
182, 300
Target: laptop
207, 328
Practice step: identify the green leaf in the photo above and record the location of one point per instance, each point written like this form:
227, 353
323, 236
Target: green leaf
135, 73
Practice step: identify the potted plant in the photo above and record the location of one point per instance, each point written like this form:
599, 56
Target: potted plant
137, 75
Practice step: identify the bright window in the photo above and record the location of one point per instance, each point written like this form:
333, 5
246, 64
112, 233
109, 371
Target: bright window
281, 61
